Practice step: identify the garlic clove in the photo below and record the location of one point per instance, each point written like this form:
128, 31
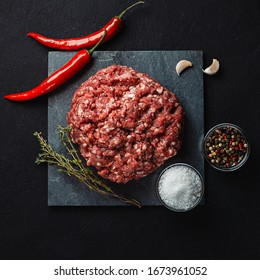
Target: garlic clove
213, 68
182, 65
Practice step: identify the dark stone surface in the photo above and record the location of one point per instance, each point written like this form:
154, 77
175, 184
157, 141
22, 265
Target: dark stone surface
227, 227
159, 65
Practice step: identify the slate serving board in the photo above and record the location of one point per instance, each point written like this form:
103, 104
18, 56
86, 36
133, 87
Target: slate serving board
67, 191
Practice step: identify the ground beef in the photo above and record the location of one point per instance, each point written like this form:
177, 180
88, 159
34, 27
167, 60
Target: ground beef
125, 123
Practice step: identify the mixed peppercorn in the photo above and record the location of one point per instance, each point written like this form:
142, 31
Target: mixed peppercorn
226, 147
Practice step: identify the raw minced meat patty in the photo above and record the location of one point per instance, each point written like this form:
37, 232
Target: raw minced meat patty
125, 123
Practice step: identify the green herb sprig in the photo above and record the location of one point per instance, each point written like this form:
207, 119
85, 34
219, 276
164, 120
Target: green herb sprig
73, 166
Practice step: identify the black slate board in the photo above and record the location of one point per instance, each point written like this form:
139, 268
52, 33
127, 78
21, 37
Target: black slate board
67, 191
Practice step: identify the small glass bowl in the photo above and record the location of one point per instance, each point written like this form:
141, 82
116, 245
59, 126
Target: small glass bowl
198, 199
232, 167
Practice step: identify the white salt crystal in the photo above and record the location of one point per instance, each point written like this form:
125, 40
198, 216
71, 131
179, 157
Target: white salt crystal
180, 187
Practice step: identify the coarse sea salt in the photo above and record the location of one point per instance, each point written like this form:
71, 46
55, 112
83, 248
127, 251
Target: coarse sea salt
180, 187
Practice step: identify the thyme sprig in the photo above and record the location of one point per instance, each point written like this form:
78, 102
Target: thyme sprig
73, 165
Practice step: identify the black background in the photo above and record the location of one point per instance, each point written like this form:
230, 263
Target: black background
227, 227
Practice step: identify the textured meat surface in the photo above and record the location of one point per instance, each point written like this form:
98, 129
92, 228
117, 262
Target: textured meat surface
125, 123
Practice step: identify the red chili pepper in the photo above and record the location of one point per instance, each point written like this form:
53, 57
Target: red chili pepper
72, 44
59, 77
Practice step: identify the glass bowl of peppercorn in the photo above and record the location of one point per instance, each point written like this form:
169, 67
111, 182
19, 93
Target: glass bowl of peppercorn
226, 147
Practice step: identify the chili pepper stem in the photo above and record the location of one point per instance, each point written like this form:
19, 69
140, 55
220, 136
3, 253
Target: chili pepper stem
130, 7
98, 43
